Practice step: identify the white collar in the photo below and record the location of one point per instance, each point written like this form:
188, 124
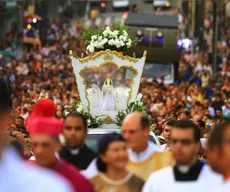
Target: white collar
138, 157
115, 182
184, 168
74, 151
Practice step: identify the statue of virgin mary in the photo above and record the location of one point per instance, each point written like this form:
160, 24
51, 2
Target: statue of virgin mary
108, 95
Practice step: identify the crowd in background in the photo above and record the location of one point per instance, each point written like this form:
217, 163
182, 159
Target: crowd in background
48, 73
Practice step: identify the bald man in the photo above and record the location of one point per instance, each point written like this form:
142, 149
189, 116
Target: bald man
145, 156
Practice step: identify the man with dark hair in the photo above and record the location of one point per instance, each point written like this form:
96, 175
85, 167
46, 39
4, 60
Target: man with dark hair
188, 173
17, 175
165, 137
144, 156
75, 151
219, 150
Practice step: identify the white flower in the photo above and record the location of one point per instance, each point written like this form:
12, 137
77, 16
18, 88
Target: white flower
88, 121
129, 43
140, 103
117, 43
105, 40
123, 38
100, 38
100, 45
94, 37
115, 33
108, 28
122, 43
107, 32
80, 108
139, 96
125, 33
111, 42
90, 48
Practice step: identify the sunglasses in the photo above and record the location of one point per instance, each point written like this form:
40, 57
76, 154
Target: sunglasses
181, 141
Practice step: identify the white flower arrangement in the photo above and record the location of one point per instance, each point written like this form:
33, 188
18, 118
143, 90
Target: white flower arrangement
114, 38
93, 122
138, 105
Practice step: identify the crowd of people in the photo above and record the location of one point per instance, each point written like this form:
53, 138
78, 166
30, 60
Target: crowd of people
183, 116
125, 162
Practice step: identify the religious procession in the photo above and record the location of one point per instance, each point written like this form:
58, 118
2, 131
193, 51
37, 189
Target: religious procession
115, 96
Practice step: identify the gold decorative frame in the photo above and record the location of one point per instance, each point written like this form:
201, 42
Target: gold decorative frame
102, 58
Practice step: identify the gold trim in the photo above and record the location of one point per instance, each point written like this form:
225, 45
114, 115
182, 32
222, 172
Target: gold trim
108, 57
156, 155
145, 54
117, 54
108, 119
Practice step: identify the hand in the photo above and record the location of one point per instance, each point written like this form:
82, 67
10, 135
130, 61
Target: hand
19, 135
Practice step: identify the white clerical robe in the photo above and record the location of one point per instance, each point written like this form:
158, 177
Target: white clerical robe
225, 187
139, 157
16, 175
164, 181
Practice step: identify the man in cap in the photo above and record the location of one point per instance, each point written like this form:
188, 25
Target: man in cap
188, 173
17, 175
45, 132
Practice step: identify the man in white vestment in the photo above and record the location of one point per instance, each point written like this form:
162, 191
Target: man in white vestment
188, 174
219, 153
145, 157
16, 175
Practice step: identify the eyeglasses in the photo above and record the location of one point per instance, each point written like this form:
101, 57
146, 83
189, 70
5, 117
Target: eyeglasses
182, 141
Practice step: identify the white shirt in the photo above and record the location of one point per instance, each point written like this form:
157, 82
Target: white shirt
16, 175
207, 180
91, 170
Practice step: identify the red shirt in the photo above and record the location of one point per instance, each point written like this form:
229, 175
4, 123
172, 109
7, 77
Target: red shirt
78, 181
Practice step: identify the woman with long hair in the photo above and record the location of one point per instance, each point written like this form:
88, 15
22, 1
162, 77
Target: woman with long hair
111, 163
